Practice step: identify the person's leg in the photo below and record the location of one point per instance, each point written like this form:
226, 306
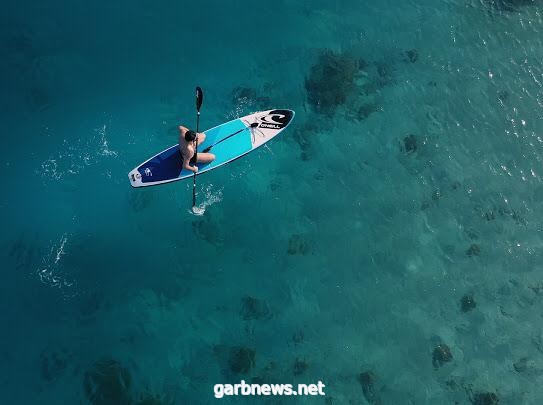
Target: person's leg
205, 157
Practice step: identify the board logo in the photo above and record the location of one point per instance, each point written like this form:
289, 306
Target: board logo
148, 172
273, 121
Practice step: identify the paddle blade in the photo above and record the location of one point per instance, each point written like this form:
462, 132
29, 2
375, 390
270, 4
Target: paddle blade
199, 97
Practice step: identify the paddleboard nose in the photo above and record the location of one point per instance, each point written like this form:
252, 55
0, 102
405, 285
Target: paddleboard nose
276, 119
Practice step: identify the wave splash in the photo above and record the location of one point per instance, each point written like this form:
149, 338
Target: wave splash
51, 271
76, 155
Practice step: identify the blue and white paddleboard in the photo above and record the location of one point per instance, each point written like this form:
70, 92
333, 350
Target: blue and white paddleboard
232, 140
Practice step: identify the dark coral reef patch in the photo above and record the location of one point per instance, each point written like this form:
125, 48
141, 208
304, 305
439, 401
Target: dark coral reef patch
507, 5
300, 366
53, 364
441, 355
473, 250
241, 360
207, 228
467, 303
367, 380
485, 398
298, 245
330, 81
107, 382
253, 308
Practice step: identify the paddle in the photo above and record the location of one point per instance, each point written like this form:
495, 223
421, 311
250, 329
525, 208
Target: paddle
199, 100
253, 125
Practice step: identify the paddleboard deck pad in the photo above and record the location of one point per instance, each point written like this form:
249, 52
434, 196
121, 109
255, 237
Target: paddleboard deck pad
231, 140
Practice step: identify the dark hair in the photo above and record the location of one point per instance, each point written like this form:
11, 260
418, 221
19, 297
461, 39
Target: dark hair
190, 136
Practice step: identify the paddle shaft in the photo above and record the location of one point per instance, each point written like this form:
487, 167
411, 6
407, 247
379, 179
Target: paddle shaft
195, 161
199, 100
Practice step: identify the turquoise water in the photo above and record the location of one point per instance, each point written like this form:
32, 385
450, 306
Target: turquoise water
388, 243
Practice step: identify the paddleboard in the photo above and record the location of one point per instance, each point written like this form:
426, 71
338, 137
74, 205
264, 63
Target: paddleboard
231, 141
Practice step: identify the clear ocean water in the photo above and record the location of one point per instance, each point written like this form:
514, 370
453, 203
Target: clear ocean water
389, 243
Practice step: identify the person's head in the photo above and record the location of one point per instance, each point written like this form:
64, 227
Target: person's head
190, 136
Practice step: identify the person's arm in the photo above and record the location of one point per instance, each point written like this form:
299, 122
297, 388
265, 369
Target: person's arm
183, 129
201, 137
187, 166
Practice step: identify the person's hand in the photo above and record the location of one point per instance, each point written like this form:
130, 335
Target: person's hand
195, 169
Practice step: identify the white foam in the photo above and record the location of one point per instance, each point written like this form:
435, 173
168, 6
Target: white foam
105, 151
75, 155
211, 197
50, 272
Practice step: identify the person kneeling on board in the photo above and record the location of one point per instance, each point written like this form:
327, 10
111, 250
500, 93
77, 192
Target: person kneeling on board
187, 146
